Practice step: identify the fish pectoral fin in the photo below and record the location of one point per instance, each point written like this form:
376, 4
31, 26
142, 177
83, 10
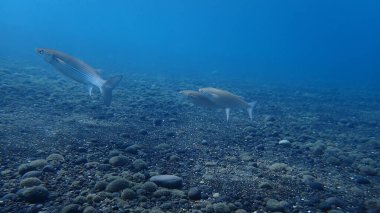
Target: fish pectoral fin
250, 108
90, 90
59, 60
228, 113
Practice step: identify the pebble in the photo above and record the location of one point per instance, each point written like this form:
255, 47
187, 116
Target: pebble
35, 194
128, 194
72, 208
330, 203
168, 181
49, 169
361, 180
118, 160
274, 205
284, 143
149, 186
55, 159
139, 164
80, 161
31, 181
32, 174
89, 209
133, 149
265, 185
194, 193
117, 185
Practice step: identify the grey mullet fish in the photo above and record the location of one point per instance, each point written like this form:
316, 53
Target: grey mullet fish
227, 100
79, 71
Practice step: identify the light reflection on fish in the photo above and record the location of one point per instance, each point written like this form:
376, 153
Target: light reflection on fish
79, 71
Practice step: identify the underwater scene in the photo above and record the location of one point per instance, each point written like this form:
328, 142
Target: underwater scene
208, 106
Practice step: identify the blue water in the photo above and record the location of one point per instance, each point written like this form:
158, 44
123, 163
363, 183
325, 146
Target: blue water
333, 43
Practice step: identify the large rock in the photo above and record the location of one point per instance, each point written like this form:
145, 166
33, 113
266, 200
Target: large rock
117, 185
35, 194
118, 160
168, 181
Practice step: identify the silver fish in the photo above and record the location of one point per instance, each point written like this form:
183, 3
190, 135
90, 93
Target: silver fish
79, 71
227, 100
198, 98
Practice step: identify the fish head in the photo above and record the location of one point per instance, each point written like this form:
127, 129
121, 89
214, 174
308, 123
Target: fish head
42, 51
46, 53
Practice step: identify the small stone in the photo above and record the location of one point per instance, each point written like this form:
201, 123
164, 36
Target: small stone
157, 122
265, 185
100, 186
72, 208
89, 209
278, 167
35, 194
367, 170
221, 208
118, 160
139, 164
194, 193
55, 159
29, 182
168, 181
274, 205
284, 143
49, 169
9, 196
316, 185
361, 180
24, 168
330, 203
80, 200
117, 185
132, 149
174, 158
128, 194
114, 153
38, 164
32, 174
149, 186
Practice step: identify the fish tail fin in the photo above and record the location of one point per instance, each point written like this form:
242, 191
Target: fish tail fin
108, 86
250, 108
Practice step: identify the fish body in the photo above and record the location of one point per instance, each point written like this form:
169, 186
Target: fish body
198, 98
80, 71
227, 100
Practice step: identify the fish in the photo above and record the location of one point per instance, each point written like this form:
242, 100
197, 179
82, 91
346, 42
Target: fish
81, 72
198, 98
227, 100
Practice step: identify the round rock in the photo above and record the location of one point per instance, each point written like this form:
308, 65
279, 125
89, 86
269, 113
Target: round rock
118, 160
117, 185
194, 193
35, 194
168, 181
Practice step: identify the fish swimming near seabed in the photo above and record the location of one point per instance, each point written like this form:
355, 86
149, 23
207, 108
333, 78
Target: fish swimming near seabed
198, 98
227, 100
80, 71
